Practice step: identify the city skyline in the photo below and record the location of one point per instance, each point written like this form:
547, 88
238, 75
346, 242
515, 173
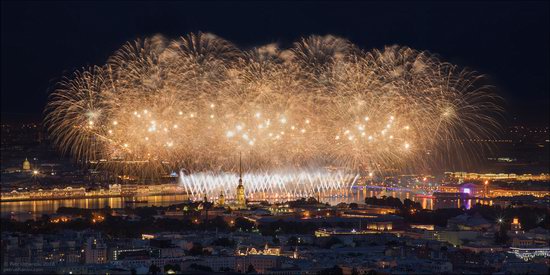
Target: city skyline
283, 138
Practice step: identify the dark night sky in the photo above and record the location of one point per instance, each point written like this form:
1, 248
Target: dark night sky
507, 41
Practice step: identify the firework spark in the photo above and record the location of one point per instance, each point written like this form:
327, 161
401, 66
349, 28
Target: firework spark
268, 184
159, 105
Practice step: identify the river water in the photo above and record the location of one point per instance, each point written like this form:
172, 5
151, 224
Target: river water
31, 209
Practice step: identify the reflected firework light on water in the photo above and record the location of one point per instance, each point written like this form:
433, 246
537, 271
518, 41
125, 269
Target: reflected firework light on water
268, 184
160, 105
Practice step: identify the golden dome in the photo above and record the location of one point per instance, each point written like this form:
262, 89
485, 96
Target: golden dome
26, 165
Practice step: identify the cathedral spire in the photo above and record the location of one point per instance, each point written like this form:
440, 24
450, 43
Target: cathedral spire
240, 167
241, 199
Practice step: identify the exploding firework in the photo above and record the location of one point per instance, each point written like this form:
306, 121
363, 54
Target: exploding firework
268, 184
192, 103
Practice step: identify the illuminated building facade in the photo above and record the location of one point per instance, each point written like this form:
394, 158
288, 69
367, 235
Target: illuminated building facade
261, 263
273, 251
221, 200
516, 225
530, 252
26, 165
95, 252
493, 176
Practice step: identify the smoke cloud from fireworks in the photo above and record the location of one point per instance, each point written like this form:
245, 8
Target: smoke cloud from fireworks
159, 105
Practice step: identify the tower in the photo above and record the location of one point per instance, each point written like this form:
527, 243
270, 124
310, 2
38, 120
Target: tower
516, 225
241, 200
26, 165
221, 199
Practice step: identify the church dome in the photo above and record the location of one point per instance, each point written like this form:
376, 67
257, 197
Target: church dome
26, 165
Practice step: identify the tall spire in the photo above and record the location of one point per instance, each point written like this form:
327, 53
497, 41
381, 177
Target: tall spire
241, 198
240, 165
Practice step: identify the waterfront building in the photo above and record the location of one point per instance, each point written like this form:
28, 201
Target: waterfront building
451, 200
463, 176
514, 193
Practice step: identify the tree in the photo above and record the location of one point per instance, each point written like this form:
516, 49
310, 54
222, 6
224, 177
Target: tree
303, 202
200, 267
223, 242
409, 204
384, 201
392, 243
335, 270
292, 241
207, 206
153, 269
146, 212
244, 224
196, 250
332, 241
251, 269
107, 209
501, 237
353, 205
312, 200
216, 223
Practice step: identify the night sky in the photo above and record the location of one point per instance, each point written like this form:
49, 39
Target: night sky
509, 42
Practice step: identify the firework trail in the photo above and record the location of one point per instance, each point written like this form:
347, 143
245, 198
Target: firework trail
160, 105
